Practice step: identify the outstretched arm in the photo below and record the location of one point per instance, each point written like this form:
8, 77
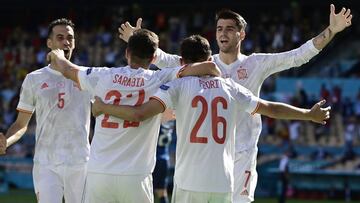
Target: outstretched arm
64, 66
131, 113
284, 111
338, 22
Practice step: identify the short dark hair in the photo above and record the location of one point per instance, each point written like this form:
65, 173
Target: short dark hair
195, 49
60, 21
142, 46
228, 14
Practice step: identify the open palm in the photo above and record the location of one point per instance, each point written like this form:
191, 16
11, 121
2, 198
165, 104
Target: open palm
341, 20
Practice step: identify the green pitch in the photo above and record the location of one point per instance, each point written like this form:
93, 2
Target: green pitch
27, 196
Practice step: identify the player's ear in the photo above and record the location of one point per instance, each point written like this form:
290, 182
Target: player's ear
49, 43
182, 62
153, 58
242, 34
127, 54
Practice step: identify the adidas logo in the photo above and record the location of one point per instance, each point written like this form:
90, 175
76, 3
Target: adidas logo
44, 85
244, 192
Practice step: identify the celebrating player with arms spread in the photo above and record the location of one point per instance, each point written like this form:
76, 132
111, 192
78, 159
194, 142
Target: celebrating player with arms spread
250, 72
206, 110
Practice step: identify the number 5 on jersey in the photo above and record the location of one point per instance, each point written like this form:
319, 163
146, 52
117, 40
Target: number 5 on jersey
61, 101
215, 119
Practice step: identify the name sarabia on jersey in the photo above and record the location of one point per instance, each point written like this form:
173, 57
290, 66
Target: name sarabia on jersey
128, 81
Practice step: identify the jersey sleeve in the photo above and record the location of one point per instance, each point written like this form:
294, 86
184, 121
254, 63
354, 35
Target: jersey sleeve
245, 99
27, 98
164, 59
89, 77
167, 95
277, 62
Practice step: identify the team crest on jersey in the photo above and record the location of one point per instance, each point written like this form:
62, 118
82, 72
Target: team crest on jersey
88, 71
44, 85
242, 73
164, 87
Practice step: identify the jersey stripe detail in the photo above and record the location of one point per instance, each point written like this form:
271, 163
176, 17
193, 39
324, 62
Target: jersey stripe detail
256, 109
161, 101
24, 111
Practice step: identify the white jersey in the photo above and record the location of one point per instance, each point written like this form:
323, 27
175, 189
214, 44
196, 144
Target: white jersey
206, 110
62, 117
250, 72
120, 147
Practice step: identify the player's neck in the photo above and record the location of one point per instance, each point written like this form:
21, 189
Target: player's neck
137, 66
229, 58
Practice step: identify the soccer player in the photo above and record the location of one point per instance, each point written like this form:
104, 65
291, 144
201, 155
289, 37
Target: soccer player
62, 124
206, 111
250, 72
122, 155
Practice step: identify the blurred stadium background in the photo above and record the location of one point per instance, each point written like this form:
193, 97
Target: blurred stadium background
324, 160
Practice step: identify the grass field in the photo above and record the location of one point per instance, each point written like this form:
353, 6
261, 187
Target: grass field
27, 196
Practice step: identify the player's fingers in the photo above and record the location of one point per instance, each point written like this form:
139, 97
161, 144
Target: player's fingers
127, 24
97, 99
342, 11
322, 102
123, 26
348, 19
332, 9
347, 13
138, 23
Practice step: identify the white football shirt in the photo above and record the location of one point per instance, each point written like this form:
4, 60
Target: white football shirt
62, 117
121, 147
250, 72
206, 110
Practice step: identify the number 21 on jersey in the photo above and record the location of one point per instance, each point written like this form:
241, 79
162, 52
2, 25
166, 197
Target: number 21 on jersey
114, 93
200, 102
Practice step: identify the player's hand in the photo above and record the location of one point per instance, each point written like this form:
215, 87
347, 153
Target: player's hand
339, 21
167, 115
318, 114
2, 144
55, 56
126, 30
97, 107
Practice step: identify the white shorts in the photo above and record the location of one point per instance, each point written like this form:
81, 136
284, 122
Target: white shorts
52, 183
187, 196
245, 176
105, 188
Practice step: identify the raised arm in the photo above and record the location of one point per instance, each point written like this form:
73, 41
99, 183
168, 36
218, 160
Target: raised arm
131, 113
64, 66
163, 59
284, 111
338, 22
201, 69
16, 131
